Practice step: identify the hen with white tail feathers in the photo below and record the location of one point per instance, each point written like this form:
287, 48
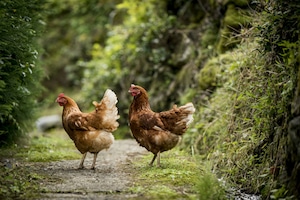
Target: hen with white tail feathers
157, 131
91, 132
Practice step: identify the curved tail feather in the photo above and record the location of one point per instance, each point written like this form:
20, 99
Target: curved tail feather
189, 109
108, 110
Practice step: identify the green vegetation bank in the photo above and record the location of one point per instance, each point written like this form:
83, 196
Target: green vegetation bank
20, 74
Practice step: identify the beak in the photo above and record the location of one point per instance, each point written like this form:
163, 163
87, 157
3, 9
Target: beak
131, 86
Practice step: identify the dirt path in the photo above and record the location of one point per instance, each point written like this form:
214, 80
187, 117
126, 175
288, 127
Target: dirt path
110, 180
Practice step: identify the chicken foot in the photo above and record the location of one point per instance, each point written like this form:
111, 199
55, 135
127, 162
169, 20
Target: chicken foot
158, 159
82, 160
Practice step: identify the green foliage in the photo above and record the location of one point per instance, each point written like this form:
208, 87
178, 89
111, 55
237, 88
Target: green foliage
235, 19
232, 118
211, 75
243, 124
280, 30
19, 183
279, 42
209, 187
20, 25
72, 29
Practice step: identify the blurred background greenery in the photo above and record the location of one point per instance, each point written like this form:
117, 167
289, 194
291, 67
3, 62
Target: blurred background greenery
237, 61
161, 45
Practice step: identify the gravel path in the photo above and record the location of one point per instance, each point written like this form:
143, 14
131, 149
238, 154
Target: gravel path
110, 180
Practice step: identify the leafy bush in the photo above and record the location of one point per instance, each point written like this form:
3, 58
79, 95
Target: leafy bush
20, 25
72, 29
280, 46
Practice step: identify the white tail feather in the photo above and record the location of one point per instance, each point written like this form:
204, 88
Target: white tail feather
111, 112
111, 98
190, 109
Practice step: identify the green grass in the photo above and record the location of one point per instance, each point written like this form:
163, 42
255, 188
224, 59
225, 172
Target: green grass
56, 145
53, 146
17, 181
180, 176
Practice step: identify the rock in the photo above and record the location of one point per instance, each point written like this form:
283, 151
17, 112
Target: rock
46, 123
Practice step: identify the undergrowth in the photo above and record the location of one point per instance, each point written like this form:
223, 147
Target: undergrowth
17, 182
242, 122
53, 146
181, 176
225, 123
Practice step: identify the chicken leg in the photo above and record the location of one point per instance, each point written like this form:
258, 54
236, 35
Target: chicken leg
158, 159
94, 161
82, 160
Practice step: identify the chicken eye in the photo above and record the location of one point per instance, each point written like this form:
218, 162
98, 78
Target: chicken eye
136, 91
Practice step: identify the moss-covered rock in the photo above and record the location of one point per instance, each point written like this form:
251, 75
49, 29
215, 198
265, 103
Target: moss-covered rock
215, 71
232, 23
234, 18
208, 76
209, 37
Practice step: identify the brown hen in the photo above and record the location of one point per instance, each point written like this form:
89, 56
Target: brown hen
157, 132
91, 132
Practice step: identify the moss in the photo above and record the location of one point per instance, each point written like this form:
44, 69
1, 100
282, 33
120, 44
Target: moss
234, 20
180, 177
223, 44
209, 37
239, 3
212, 74
208, 76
